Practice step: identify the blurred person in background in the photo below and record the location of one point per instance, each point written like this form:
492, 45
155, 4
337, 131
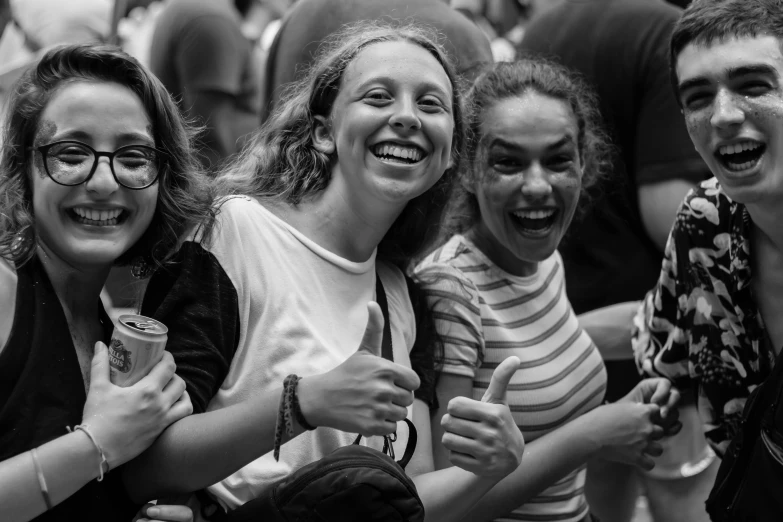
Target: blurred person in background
309, 22
202, 57
503, 22
615, 253
37, 25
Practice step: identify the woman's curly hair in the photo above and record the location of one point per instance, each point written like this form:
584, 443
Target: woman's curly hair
184, 193
282, 164
511, 79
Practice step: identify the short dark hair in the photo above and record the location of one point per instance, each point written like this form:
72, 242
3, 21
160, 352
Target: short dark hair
183, 196
510, 79
707, 21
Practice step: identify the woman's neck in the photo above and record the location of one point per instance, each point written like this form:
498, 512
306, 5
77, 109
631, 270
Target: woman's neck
78, 289
348, 229
500, 256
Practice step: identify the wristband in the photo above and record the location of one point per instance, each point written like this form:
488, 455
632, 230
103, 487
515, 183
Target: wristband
300, 418
279, 426
41, 479
83, 427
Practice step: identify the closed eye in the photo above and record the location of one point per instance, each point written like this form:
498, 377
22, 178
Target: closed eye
377, 97
506, 165
755, 88
431, 104
560, 162
696, 100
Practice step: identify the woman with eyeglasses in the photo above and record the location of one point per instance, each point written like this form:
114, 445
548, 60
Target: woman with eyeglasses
96, 170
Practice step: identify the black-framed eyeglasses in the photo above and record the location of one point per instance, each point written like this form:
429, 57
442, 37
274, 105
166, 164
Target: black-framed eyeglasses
72, 163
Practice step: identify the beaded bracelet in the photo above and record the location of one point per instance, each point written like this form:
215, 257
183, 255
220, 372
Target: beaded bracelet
300, 418
279, 426
288, 411
41, 479
85, 429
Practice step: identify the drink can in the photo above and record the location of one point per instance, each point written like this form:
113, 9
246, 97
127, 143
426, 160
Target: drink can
137, 345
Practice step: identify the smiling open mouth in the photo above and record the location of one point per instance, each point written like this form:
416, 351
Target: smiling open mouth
535, 221
98, 218
396, 153
741, 156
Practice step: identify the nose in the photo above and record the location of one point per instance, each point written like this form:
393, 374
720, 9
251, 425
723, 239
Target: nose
726, 113
405, 116
536, 183
102, 182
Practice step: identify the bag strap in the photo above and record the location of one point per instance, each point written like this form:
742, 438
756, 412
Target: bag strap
388, 353
380, 298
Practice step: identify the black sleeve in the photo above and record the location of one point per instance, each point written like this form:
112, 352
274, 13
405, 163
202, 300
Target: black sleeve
427, 348
196, 300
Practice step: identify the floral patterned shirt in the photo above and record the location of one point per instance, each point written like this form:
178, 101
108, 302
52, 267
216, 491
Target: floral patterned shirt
700, 325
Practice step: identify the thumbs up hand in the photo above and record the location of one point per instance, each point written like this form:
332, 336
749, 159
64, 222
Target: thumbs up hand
366, 394
482, 437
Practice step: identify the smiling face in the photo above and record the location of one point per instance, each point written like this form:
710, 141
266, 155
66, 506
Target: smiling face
390, 127
528, 176
732, 97
91, 224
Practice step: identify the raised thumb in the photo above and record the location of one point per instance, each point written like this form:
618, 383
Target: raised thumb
373, 334
496, 393
99, 371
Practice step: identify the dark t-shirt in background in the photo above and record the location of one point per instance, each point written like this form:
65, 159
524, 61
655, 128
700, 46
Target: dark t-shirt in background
621, 47
198, 46
309, 22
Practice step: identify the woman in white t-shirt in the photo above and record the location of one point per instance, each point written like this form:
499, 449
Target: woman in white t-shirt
497, 289
338, 186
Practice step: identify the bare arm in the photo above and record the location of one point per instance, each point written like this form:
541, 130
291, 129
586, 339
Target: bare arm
68, 463
447, 493
658, 204
551, 457
366, 394
124, 421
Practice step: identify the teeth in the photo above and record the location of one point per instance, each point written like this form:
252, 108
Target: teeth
534, 214
738, 147
101, 216
398, 151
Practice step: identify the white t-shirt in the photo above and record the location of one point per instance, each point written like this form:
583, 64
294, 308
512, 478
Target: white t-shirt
303, 310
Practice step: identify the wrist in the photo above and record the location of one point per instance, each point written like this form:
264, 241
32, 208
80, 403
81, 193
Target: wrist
589, 428
309, 392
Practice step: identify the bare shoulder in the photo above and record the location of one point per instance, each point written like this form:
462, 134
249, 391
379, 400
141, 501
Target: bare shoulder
7, 300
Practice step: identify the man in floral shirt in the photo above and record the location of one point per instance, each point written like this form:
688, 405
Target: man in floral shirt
714, 319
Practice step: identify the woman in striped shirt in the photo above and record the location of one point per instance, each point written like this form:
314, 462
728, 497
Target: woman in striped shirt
496, 289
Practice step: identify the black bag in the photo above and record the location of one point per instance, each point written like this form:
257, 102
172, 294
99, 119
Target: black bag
352, 484
749, 485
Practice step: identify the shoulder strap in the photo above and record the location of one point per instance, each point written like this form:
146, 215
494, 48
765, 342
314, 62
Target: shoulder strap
380, 297
387, 352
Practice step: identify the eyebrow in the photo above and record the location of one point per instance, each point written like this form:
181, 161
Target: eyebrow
428, 86
124, 137
565, 140
732, 73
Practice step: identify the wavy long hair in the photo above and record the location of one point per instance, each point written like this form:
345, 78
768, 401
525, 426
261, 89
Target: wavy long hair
184, 193
281, 163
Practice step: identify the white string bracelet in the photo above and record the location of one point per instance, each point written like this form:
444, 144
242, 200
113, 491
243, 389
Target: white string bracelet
41, 479
83, 427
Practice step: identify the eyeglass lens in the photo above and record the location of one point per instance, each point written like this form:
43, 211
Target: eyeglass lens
71, 163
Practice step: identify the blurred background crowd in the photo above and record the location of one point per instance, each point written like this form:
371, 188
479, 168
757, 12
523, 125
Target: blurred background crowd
227, 63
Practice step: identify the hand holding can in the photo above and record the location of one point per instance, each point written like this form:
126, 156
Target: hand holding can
137, 344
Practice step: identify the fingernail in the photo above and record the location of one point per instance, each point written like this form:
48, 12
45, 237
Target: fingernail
664, 411
153, 512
